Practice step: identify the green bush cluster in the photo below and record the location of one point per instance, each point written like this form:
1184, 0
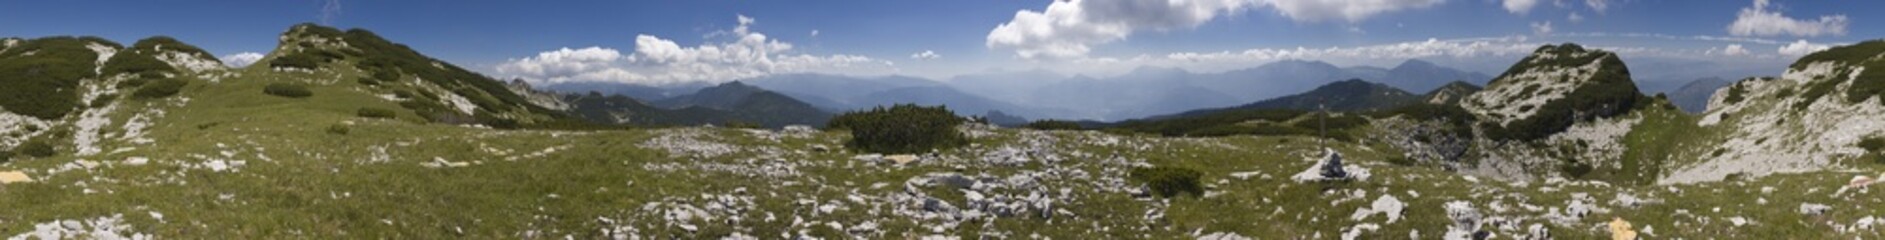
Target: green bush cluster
901, 129
136, 62
308, 58
1874, 148
45, 84
373, 112
160, 88
1736, 93
1575, 169
141, 58
1051, 124
287, 90
36, 148
1169, 181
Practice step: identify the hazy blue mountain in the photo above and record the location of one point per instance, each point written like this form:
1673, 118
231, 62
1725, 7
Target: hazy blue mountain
1003, 119
958, 101
723, 96
641, 92
1346, 95
837, 88
732, 102
1422, 76
1008, 86
1693, 97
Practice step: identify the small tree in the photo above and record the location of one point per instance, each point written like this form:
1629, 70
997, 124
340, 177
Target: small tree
902, 129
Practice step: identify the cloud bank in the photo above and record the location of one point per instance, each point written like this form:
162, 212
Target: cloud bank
1758, 21
659, 61
1070, 29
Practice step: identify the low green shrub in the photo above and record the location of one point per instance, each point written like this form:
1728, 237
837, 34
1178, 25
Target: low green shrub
339, 129
740, 124
38, 149
1575, 169
1874, 148
1051, 124
1169, 181
372, 112
160, 88
287, 90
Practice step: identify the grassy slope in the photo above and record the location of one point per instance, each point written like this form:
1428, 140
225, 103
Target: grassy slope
299, 180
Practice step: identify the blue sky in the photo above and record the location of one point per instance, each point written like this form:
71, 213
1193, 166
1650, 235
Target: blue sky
661, 42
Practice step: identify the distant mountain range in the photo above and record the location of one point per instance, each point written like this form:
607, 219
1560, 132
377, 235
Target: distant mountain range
1343, 96
1039, 94
728, 103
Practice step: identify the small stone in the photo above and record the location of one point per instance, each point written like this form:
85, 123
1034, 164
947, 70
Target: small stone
1860, 182
902, 158
136, 161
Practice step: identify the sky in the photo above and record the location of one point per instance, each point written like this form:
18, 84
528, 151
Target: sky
672, 42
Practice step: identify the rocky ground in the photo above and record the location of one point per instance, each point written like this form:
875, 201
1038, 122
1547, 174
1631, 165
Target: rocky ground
802, 183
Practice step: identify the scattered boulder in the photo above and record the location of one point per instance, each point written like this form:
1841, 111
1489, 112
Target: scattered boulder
869, 158
14, 177
136, 161
901, 159
1537, 232
1812, 209
1466, 221
1620, 230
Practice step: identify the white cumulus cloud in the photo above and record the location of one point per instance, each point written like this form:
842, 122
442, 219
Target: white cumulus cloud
1541, 28
1757, 20
1070, 28
659, 61
1067, 28
1730, 50
925, 55
1598, 5
1802, 47
1519, 6
1349, 10
242, 59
